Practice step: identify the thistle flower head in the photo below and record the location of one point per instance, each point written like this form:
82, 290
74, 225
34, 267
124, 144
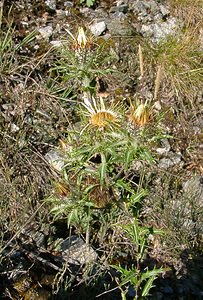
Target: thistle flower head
140, 114
99, 115
81, 38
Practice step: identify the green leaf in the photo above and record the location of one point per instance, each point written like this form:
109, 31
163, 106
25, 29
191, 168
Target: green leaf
148, 286
88, 2
151, 276
102, 169
138, 196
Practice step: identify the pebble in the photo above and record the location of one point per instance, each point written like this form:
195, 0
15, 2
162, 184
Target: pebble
170, 161
55, 159
121, 8
14, 128
164, 11
98, 28
46, 32
68, 4
165, 149
51, 4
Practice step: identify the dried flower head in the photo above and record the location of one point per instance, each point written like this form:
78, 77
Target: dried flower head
140, 114
99, 116
81, 41
61, 189
81, 38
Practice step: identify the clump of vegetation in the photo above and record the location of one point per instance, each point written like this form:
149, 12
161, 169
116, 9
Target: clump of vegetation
180, 60
187, 10
106, 192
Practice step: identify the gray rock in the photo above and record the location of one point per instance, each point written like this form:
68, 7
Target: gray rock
165, 147
118, 25
98, 28
46, 32
55, 159
170, 161
144, 8
121, 8
51, 4
159, 296
164, 11
62, 13
193, 189
76, 251
160, 30
68, 4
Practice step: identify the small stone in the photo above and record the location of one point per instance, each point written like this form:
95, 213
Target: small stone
164, 11
157, 105
14, 128
68, 4
62, 13
57, 43
193, 189
172, 160
51, 4
165, 149
46, 32
55, 159
98, 28
121, 8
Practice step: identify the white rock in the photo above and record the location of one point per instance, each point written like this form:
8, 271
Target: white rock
51, 4
98, 28
46, 32
55, 159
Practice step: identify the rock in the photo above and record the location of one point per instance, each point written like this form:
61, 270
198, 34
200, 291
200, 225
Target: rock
159, 296
170, 161
77, 252
46, 32
165, 149
98, 28
121, 8
193, 189
118, 25
55, 159
160, 30
62, 13
68, 4
14, 127
144, 8
51, 4
164, 11
57, 43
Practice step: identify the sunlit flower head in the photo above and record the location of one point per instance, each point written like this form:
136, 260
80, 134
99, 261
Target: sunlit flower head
140, 114
82, 41
81, 38
98, 115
